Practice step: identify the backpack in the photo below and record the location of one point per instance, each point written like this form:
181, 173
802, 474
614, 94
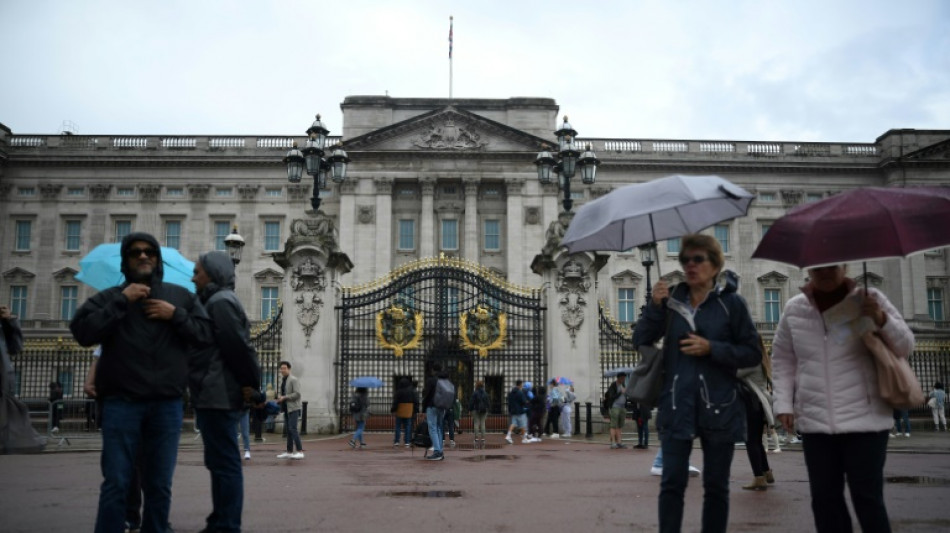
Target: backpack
444, 395
480, 402
556, 400
421, 438
355, 405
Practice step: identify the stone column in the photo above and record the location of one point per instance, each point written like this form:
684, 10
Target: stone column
313, 264
384, 227
515, 247
470, 248
348, 213
427, 219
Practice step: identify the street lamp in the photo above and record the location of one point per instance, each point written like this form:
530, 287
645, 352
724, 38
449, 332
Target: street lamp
569, 160
647, 259
311, 157
235, 244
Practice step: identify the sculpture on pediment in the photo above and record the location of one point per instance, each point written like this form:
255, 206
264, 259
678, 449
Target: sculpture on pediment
448, 136
321, 228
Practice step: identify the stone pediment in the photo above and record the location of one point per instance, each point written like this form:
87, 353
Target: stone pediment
626, 277
674, 277
937, 151
449, 130
772, 279
18, 275
269, 275
65, 274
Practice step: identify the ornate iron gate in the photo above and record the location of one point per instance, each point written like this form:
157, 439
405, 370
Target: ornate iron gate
477, 325
616, 347
266, 340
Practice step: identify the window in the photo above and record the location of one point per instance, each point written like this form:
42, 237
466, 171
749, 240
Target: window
73, 232
766, 226
450, 234
813, 197
268, 302
18, 300
272, 235
23, 230
450, 189
935, 304
173, 234
407, 234
68, 297
75, 191
125, 191
222, 191
452, 301
722, 235
122, 228
221, 230
577, 195
626, 305
26, 191
175, 192
767, 196
673, 245
492, 235
273, 193
773, 305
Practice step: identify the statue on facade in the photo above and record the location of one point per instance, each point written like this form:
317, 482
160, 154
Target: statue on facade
555, 232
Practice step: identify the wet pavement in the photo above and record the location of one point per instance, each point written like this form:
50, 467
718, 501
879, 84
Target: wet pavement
574, 485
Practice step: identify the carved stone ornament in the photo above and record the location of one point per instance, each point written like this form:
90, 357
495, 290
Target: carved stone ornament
555, 232
366, 214
297, 191
532, 215
308, 280
248, 192
384, 186
149, 192
198, 191
791, 198
448, 136
99, 191
399, 328
50, 191
483, 329
572, 283
319, 228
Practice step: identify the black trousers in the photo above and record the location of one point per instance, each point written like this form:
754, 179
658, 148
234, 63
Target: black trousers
859, 459
755, 422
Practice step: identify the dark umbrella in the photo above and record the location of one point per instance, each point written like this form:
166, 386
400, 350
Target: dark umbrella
860, 225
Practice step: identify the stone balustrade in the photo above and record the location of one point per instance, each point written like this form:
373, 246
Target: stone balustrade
149, 142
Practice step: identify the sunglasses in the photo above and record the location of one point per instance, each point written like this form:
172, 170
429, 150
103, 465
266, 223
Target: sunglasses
135, 253
695, 259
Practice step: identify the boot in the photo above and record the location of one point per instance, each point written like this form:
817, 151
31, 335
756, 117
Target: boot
769, 477
758, 483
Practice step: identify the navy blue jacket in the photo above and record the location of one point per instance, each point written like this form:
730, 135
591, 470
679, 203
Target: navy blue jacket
700, 395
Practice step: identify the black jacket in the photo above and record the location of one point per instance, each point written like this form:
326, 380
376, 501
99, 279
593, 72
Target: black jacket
429, 390
217, 372
142, 359
406, 393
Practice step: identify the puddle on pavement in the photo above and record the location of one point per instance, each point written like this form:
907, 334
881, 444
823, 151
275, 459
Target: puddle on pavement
918, 480
481, 458
424, 494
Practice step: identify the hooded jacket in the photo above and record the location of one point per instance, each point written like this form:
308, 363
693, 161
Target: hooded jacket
405, 400
142, 359
700, 395
218, 372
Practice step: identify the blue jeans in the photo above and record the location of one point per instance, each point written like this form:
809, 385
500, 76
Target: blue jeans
717, 460
406, 424
293, 437
223, 460
435, 418
658, 460
155, 426
358, 434
245, 425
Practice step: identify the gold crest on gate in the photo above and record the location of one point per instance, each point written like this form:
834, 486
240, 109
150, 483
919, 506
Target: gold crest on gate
398, 329
483, 329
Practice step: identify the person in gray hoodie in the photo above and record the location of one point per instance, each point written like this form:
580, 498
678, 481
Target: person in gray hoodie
223, 377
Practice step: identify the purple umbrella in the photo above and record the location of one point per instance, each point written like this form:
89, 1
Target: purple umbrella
860, 225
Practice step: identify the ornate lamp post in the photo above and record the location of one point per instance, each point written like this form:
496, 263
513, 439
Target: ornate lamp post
568, 162
235, 245
647, 259
317, 166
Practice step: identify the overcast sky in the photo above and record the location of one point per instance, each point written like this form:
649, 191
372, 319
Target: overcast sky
825, 70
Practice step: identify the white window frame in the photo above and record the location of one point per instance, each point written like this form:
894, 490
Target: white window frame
67, 224
716, 233
269, 304
181, 227
19, 237
217, 239
72, 298
401, 233
936, 304
19, 300
272, 242
453, 234
115, 227
626, 305
486, 235
771, 306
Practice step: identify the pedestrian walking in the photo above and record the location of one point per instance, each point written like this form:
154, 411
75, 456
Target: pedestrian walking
405, 407
708, 334
435, 411
937, 403
821, 372
517, 410
757, 396
290, 404
16, 431
616, 403
147, 330
555, 406
478, 406
641, 415
566, 410
224, 379
537, 407
359, 408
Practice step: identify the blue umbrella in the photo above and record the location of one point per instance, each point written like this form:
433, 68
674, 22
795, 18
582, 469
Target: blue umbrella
101, 268
368, 382
564, 381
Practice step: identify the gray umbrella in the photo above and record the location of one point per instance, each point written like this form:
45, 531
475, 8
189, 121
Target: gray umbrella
661, 209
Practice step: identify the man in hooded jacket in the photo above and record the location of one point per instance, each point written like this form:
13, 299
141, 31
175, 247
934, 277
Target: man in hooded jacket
146, 329
222, 377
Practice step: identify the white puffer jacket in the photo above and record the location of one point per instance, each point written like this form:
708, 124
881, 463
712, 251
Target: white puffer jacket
827, 377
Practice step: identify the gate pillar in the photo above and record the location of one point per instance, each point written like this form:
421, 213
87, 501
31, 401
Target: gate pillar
571, 329
313, 264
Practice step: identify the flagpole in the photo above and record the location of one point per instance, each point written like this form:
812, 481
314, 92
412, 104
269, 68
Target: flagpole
450, 57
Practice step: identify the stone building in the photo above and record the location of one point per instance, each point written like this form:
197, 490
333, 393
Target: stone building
428, 178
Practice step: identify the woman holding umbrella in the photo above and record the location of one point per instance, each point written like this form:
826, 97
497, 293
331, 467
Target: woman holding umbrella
826, 384
709, 334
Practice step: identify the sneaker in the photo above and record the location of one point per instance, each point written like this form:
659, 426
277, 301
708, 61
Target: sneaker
285, 455
796, 440
298, 455
693, 471
555, 436
508, 439
352, 443
892, 435
613, 446
247, 455
656, 470
362, 445
527, 440
430, 450
408, 445
776, 450
907, 435
566, 436
54, 430
435, 457
621, 446
451, 443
